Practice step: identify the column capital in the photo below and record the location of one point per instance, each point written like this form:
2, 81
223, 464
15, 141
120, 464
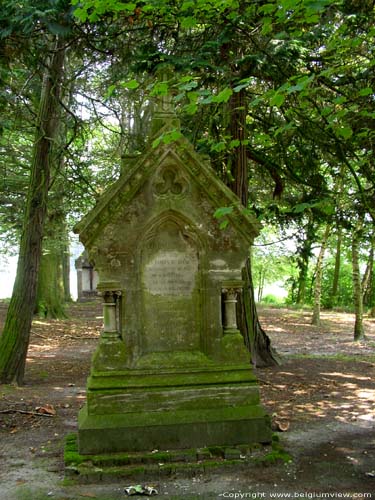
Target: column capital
232, 285
111, 293
109, 286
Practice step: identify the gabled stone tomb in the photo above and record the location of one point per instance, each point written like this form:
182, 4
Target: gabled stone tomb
171, 370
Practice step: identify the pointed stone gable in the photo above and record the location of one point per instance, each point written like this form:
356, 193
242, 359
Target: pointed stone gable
172, 160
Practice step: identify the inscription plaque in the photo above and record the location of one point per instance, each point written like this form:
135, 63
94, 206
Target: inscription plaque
170, 292
171, 273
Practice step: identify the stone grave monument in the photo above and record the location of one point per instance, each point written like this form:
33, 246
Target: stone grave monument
171, 370
87, 279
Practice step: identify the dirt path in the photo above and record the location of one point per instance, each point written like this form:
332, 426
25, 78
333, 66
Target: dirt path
324, 390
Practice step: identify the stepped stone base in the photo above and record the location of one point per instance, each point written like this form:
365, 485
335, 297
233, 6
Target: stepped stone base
146, 411
154, 465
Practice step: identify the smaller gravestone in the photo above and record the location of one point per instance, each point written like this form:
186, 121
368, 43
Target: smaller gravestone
171, 369
87, 279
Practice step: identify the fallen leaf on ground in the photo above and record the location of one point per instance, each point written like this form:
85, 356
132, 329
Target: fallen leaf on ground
280, 425
46, 409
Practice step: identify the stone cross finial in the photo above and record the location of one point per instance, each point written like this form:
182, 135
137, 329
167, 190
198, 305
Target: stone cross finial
165, 102
164, 113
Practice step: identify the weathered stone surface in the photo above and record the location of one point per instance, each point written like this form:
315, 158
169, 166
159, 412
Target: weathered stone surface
171, 369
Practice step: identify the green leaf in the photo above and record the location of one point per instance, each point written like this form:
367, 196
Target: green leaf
127, 7
172, 136
131, 84
186, 78
340, 100
237, 88
345, 132
267, 25
80, 13
191, 108
223, 224
188, 22
160, 88
366, 91
301, 207
223, 96
268, 8
167, 138
207, 100
277, 100
110, 91
222, 212
156, 142
218, 146
188, 86
326, 111
193, 96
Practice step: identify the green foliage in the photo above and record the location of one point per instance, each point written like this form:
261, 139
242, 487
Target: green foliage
304, 68
167, 138
271, 299
345, 290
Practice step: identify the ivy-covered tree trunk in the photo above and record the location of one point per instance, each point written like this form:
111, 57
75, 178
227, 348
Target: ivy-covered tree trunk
50, 295
372, 295
303, 258
336, 272
318, 278
14, 340
367, 280
50, 302
66, 272
52, 282
357, 286
371, 285
256, 339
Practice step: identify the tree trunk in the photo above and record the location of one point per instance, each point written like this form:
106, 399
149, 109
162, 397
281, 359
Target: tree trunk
66, 272
14, 341
318, 278
50, 302
256, 339
261, 284
50, 294
336, 273
368, 277
303, 262
357, 287
51, 286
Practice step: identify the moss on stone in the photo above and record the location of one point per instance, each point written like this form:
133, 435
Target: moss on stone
73, 457
175, 378
217, 451
274, 457
178, 359
118, 466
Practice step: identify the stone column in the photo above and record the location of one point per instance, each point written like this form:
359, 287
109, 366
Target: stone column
79, 284
111, 294
230, 293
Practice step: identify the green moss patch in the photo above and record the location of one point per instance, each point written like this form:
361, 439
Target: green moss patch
112, 467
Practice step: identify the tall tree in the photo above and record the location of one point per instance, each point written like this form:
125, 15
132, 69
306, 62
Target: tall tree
318, 278
14, 340
357, 285
256, 338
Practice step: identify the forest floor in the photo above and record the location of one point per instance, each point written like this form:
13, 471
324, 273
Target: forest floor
324, 391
